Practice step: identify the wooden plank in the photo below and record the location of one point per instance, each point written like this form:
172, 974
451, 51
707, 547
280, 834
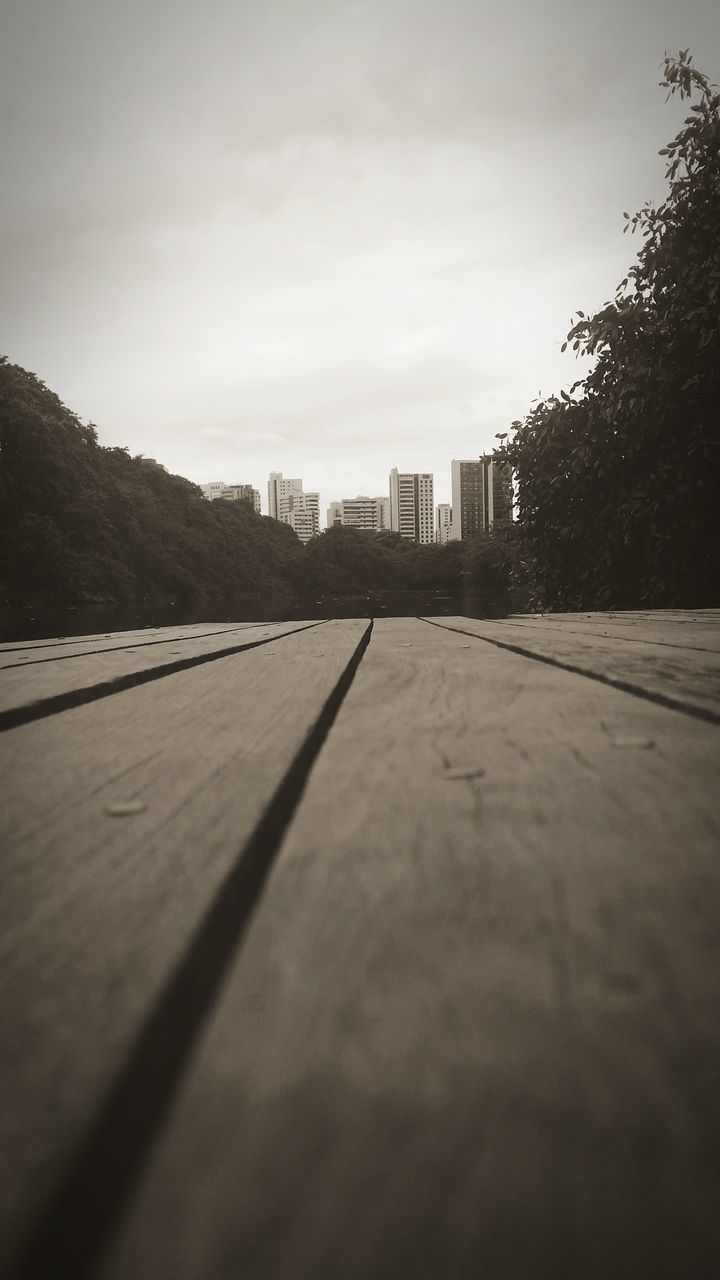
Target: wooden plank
136, 633
474, 1029
684, 677
629, 616
46, 650
52, 641
97, 907
26, 686
692, 635
674, 624
681, 616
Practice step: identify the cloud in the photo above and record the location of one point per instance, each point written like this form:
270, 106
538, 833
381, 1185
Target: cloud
263, 438
221, 437
216, 433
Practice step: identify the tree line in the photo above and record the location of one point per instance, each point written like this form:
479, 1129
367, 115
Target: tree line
618, 481
81, 523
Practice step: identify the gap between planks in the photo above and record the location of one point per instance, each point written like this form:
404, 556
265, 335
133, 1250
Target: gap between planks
141, 633
66, 1018
24, 657
651, 632
475, 1024
683, 681
33, 695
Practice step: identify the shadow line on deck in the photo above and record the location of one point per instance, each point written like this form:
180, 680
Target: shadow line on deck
626, 686
17, 716
115, 648
78, 1222
601, 635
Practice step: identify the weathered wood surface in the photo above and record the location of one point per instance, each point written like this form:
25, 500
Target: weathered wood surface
473, 1024
685, 675
144, 632
95, 909
696, 632
30, 683
20, 652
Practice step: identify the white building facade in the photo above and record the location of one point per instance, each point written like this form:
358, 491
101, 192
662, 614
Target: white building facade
412, 510
280, 491
232, 493
287, 502
303, 515
362, 512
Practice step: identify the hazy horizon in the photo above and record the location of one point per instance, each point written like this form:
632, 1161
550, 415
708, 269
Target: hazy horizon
323, 238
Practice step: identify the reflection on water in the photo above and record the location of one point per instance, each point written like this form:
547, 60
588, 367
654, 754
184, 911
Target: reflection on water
37, 623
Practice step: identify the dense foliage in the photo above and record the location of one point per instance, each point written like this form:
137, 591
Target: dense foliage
350, 560
79, 522
618, 482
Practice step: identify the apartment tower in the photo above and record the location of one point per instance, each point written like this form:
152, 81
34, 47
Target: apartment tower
232, 493
287, 502
411, 505
362, 512
443, 523
481, 495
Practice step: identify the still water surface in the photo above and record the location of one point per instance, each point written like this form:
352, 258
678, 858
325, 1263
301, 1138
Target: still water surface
41, 623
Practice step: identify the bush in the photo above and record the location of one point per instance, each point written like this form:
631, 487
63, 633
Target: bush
617, 481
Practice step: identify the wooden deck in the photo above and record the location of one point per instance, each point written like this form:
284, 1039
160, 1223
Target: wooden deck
351, 951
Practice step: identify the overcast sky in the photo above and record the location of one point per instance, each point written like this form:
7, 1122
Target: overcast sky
325, 237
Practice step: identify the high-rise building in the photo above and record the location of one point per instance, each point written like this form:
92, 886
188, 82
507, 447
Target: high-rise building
232, 493
443, 523
288, 503
411, 505
279, 491
360, 513
242, 493
481, 495
303, 515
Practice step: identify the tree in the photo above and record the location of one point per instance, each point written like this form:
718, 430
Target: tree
617, 482
79, 522
344, 559
493, 570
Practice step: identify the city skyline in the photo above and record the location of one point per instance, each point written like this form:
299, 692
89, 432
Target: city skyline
278, 482
303, 234
482, 495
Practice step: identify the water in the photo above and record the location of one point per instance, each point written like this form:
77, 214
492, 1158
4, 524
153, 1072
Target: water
42, 623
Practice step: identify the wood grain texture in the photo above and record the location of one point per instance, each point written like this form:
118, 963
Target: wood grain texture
699, 631
687, 676
96, 909
474, 1029
23, 686
631, 617
52, 650
136, 633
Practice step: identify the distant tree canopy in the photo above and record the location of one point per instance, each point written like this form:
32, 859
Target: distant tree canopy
348, 560
618, 482
79, 522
